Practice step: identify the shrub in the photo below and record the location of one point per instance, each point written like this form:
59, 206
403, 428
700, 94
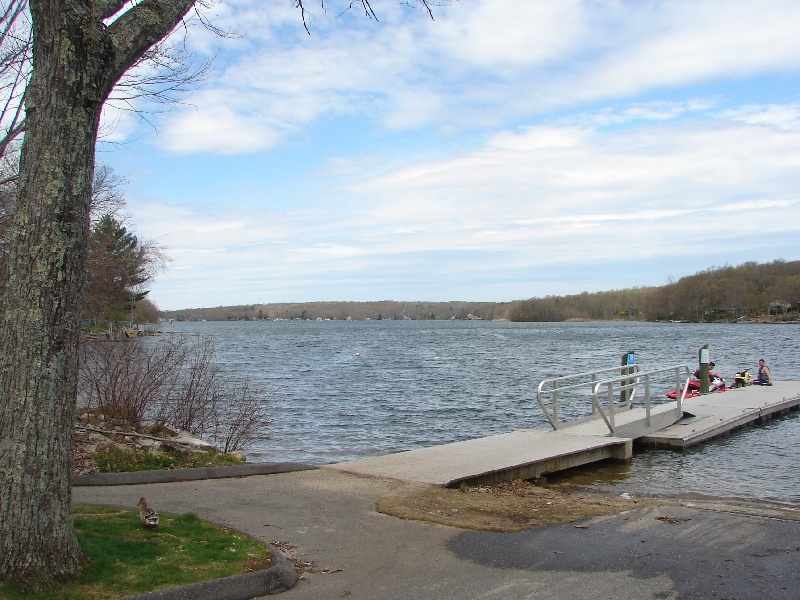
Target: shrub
171, 382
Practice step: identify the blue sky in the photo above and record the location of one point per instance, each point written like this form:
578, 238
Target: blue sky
502, 151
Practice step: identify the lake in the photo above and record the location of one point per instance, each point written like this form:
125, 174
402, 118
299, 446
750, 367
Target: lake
342, 390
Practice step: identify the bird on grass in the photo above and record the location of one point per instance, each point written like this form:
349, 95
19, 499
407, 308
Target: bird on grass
149, 516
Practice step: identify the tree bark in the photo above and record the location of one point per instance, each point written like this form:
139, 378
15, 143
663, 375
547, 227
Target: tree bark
77, 60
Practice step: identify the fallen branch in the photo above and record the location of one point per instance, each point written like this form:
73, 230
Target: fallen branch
192, 442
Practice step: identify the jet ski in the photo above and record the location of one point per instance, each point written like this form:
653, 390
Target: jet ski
742, 378
716, 384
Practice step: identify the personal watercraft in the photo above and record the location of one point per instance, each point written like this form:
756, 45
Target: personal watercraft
717, 383
742, 378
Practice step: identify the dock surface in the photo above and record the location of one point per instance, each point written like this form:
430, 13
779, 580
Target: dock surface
530, 453
523, 454
706, 417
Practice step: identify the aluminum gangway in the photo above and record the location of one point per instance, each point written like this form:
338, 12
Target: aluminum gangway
617, 401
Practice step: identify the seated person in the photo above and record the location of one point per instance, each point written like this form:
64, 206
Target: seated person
714, 380
764, 376
710, 368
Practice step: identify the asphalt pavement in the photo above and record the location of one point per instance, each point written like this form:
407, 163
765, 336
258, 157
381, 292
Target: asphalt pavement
327, 519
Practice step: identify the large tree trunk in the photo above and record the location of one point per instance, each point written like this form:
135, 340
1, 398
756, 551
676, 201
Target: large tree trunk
77, 60
38, 364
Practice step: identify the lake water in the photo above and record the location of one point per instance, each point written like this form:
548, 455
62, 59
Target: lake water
342, 390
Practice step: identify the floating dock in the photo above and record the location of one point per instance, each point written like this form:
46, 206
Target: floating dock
528, 453
711, 415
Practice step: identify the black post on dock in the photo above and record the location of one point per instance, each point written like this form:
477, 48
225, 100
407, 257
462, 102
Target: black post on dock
703, 355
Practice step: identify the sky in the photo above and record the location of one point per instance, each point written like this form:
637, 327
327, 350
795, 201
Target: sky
502, 150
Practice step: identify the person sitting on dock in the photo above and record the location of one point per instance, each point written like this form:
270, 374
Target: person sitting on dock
714, 380
764, 375
711, 375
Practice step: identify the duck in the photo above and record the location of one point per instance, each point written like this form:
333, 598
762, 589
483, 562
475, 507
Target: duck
149, 516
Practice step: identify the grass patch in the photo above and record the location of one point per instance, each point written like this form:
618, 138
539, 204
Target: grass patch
125, 559
115, 460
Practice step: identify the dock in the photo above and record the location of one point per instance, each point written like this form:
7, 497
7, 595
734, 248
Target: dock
523, 454
532, 453
712, 415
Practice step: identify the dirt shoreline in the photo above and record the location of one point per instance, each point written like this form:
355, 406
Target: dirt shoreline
506, 507
520, 505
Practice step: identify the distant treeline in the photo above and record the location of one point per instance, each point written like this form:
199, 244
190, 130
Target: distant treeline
341, 311
767, 291
600, 306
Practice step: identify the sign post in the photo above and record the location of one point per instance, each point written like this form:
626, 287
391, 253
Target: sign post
704, 369
627, 362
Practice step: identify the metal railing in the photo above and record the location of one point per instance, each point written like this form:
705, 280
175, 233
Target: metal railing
614, 391
553, 395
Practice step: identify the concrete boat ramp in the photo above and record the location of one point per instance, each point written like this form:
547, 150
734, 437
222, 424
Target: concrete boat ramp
529, 453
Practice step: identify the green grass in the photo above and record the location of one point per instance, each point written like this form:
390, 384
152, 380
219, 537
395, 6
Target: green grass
119, 461
125, 558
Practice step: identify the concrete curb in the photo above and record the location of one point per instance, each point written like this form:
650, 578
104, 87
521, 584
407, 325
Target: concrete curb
278, 578
139, 477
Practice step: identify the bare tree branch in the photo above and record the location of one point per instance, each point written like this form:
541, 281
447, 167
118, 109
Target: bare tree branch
15, 56
139, 28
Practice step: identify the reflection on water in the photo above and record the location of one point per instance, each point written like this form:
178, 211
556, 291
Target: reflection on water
753, 463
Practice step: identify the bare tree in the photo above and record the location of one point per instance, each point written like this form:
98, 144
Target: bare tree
123, 380
243, 414
197, 391
108, 197
165, 74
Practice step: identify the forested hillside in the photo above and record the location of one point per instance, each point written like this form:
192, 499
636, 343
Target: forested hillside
600, 306
751, 290
769, 291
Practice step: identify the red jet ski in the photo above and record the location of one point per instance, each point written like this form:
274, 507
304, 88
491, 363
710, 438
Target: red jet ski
717, 382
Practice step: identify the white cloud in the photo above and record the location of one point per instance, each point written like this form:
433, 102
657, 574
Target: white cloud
684, 42
218, 129
784, 116
479, 64
537, 138
506, 35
